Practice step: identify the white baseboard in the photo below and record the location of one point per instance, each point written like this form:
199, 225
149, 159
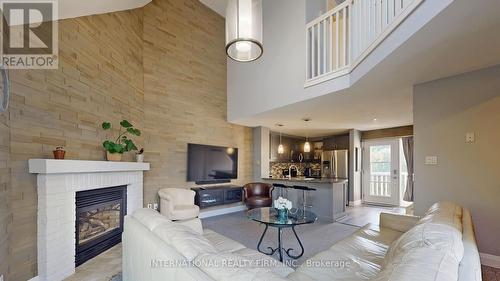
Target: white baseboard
221, 210
490, 260
36, 278
355, 203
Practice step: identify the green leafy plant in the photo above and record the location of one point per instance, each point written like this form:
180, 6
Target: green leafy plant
122, 143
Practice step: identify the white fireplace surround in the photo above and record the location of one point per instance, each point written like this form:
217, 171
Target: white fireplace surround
57, 184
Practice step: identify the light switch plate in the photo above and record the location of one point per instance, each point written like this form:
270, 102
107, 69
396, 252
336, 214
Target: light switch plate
470, 138
431, 160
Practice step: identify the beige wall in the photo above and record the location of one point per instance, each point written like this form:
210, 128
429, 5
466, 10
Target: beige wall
185, 92
99, 78
5, 214
469, 174
167, 79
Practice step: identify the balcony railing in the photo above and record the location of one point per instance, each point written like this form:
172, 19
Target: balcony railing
340, 39
381, 183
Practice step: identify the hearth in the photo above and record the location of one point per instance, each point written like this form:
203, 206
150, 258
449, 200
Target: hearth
99, 221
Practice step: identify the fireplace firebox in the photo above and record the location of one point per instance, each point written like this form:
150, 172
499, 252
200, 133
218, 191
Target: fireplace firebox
99, 221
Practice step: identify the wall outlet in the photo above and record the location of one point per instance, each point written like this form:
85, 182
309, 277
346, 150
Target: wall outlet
470, 138
155, 206
150, 206
431, 160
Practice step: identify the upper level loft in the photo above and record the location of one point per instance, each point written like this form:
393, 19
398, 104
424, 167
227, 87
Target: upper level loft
337, 41
367, 54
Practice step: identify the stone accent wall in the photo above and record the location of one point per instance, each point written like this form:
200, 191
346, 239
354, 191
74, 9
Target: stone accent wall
5, 214
99, 78
167, 79
185, 92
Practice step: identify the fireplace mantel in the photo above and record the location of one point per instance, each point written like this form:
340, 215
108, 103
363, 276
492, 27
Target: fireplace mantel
52, 166
58, 181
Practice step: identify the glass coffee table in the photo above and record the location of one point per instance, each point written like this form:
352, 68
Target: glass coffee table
269, 217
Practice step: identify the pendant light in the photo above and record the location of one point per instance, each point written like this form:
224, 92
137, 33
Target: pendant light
244, 30
281, 149
307, 145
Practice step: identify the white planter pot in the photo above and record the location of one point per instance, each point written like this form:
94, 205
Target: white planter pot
139, 158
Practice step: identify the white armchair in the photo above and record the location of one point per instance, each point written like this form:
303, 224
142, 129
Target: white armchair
178, 204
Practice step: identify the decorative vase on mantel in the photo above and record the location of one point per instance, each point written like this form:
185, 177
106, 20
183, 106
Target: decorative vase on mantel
113, 156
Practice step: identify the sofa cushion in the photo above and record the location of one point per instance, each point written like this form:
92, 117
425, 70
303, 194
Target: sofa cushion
233, 267
194, 224
470, 265
184, 212
357, 257
299, 276
429, 235
186, 241
261, 260
149, 218
447, 213
222, 243
420, 264
439, 229
259, 201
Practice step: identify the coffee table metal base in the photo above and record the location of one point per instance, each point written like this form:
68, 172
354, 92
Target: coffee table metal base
280, 248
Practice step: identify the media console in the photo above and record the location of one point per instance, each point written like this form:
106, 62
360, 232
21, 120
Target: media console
217, 195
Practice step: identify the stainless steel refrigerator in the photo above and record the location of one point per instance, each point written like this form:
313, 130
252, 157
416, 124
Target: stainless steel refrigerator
334, 164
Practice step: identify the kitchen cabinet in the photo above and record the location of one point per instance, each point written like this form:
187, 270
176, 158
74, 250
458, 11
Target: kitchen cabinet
339, 142
289, 145
292, 149
328, 201
274, 141
342, 142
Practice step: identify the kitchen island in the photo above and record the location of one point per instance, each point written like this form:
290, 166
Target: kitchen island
328, 201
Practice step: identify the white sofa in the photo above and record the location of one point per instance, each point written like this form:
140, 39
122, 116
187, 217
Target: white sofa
440, 246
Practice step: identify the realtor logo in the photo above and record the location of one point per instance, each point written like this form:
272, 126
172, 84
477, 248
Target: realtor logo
29, 35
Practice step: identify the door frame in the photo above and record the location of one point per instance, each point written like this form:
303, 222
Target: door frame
395, 175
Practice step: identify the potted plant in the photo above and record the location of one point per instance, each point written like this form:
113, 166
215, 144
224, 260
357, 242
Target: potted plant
139, 156
59, 153
122, 144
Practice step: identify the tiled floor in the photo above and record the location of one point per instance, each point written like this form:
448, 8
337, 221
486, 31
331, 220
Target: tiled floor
100, 268
362, 215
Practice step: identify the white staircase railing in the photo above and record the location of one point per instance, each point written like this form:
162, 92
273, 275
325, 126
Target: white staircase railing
340, 39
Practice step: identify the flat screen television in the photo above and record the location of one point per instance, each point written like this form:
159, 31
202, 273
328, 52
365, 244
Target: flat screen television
208, 163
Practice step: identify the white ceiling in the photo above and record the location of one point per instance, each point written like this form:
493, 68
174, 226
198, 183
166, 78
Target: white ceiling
80, 8
218, 6
464, 37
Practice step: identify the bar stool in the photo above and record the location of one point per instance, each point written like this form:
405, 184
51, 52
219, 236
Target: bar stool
304, 189
283, 189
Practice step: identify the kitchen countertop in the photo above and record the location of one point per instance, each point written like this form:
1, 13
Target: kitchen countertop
304, 180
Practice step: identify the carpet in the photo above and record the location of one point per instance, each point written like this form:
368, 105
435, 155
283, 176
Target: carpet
315, 237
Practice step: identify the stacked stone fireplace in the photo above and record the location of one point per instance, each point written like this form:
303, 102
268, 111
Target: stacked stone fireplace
81, 205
